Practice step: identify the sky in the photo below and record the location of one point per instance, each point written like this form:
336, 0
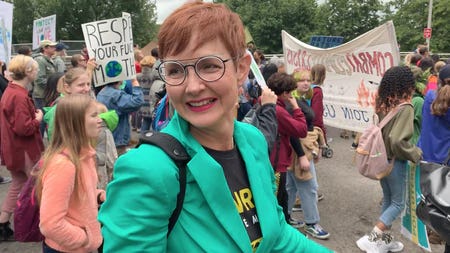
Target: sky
165, 7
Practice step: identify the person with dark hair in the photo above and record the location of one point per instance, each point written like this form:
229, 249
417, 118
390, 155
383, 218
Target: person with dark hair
259, 58
429, 74
268, 70
155, 53
51, 92
251, 46
423, 50
415, 59
396, 87
426, 64
3, 84
229, 203
290, 124
435, 58
3, 80
25, 50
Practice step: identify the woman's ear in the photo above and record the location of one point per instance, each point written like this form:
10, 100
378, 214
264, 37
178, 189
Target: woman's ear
66, 88
243, 67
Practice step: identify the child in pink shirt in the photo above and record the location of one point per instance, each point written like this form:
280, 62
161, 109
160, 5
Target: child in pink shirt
67, 184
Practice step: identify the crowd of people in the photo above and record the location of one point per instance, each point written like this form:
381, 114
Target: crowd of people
252, 150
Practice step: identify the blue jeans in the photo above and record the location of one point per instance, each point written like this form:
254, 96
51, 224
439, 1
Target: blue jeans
307, 191
146, 124
394, 193
47, 249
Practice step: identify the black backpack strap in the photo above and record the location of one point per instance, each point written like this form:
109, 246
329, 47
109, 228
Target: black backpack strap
175, 150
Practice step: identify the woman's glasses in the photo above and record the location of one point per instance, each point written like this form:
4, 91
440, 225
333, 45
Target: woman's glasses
208, 68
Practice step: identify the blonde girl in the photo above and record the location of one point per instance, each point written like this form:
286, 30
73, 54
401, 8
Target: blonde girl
67, 182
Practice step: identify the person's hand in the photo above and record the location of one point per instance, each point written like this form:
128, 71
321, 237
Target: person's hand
304, 163
101, 197
268, 96
291, 100
8, 76
91, 64
134, 82
39, 115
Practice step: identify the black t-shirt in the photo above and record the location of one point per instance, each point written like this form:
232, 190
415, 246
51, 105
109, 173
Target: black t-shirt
236, 175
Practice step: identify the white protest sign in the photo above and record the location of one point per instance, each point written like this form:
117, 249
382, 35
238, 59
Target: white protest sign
256, 71
110, 42
44, 29
6, 17
354, 71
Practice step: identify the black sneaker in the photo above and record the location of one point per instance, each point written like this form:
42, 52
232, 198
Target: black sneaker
5, 180
6, 233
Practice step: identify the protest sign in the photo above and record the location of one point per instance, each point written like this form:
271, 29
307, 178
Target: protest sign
6, 16
44, 29
326, 41
354, 71
110, 42
412, 227
256, 71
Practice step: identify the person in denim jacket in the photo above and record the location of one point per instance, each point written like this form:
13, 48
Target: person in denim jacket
123, 103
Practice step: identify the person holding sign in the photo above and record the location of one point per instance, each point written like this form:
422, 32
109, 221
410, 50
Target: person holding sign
230, 203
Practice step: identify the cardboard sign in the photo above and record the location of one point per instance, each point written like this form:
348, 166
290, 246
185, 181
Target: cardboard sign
353, 73
44, 29
110, 42
6, 17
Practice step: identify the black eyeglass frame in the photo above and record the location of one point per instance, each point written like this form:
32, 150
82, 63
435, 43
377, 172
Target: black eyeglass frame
194, 66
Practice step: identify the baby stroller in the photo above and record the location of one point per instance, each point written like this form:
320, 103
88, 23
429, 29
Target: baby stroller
327, 151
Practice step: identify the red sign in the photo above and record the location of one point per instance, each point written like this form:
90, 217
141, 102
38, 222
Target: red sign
427, 33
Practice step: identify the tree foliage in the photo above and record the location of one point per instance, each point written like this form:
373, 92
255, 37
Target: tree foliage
266, 18
410, 18
348, 18
70, 14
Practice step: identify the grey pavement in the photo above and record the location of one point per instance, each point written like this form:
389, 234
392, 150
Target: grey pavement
348, 211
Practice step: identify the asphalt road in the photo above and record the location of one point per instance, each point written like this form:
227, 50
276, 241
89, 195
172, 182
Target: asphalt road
348, 211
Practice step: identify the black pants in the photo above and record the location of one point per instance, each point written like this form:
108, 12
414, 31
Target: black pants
447, 247
47, 249
282, 195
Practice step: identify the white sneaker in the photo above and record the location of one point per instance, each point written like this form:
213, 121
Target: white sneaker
388, 244
296, 223
374, 243
369, 243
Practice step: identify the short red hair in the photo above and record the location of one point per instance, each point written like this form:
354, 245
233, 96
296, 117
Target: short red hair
211, 21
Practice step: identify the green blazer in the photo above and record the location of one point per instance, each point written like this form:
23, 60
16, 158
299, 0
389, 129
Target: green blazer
142, 197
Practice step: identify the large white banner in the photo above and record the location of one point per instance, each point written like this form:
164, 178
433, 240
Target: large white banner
6, 17
110, 42
44, 29
354, 71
